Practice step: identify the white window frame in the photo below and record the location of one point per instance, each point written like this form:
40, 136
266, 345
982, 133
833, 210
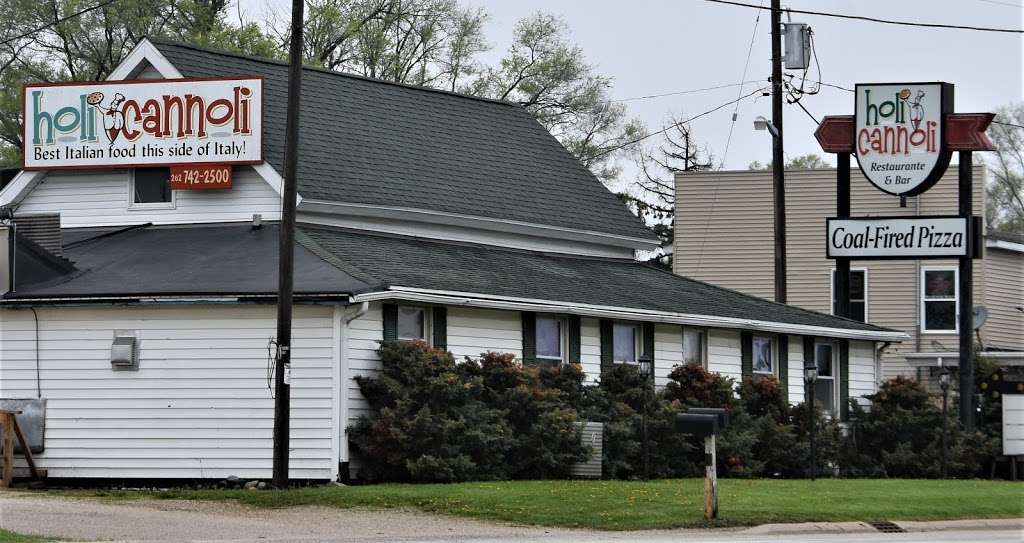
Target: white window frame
703, 347
428, 324
834, 378
563, 339
832, 291
637, 343
922, 299
774, 353
133, 205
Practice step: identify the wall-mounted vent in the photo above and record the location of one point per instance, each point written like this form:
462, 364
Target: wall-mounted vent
124, 353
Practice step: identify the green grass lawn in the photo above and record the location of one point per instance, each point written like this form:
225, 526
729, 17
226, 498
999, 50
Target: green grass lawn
622, 505
11, 537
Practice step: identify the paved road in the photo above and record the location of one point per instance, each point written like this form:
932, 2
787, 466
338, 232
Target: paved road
181, 521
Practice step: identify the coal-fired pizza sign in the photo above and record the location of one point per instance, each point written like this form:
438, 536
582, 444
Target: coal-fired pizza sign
898, 140
118, 124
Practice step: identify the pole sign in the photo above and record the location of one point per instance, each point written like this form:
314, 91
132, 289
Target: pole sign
899, 237
122, 124
899, 134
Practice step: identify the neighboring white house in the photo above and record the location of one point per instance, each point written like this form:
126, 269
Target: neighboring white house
423, 215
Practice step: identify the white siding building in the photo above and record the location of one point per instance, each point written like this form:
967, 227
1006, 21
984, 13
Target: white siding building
422, 214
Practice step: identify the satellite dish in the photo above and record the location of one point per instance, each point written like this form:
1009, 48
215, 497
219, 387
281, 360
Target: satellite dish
980, 316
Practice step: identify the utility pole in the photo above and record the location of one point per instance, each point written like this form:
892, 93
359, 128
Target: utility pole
778, 158
286, 256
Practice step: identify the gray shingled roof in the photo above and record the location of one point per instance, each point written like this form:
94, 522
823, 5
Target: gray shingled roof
458, 267
216, 259
234, 259
374, 142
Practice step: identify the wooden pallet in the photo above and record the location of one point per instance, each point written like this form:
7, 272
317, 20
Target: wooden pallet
9, 420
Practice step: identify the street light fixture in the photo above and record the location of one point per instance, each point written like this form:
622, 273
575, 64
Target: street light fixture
646, 367
761, 123
810, 378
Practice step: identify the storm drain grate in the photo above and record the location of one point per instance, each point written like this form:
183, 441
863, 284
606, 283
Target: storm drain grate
886, 527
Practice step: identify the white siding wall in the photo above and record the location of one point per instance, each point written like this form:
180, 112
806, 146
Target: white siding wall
590, 348
100, 198
198, 407
472, 332
795, 373
862, 369
668, 351
724, 355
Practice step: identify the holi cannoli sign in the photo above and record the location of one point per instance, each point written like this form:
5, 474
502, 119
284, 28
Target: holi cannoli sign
119, 124
898, 140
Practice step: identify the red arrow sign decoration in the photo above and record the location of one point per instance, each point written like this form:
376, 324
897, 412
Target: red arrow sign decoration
835, 134
964, 132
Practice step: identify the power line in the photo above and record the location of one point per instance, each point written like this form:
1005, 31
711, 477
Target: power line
1009, 124
58, 21
998, 3
690, 91
875, 19
746, 65
673, 125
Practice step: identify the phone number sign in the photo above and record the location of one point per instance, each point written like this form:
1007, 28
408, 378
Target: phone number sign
201, 177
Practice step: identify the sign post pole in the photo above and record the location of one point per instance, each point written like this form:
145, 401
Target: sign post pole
842, 280
710, 479
966, 308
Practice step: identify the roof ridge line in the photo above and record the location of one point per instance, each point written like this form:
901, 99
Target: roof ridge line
461, 243
265, 60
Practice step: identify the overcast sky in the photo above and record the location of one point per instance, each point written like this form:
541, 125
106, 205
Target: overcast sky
660, 46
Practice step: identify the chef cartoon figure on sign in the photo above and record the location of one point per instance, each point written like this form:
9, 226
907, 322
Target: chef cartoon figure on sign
113, 117
916, 108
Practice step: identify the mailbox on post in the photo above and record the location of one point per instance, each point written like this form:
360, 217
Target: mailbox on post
706, 423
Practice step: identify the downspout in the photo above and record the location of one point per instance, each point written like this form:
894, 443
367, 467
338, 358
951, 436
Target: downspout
347, 317
878, 362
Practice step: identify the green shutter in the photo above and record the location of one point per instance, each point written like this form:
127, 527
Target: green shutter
844, 379
784, 364
574, 339
648, 344
390, 322
440, 326
529, 338
808, 361
607, 349
747, 354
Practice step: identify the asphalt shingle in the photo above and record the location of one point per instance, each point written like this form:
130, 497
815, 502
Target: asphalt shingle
457, 267
374, 142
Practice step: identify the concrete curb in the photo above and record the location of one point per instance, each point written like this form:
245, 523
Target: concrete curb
863, 527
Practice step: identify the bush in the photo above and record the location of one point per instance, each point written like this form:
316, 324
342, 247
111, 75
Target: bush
537, 403
431, 424
438, 421
694, 386
619, 403
901, 436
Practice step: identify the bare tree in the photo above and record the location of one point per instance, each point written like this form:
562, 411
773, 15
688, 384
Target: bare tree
1005, 189
653, 196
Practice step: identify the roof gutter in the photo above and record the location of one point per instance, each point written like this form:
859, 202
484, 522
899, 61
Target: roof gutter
551, 306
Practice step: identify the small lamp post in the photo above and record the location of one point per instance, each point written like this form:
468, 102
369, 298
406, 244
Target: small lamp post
646, 364
810, 378
944, 385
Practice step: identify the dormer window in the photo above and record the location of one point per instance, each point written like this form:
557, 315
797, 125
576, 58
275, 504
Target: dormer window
150, 188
